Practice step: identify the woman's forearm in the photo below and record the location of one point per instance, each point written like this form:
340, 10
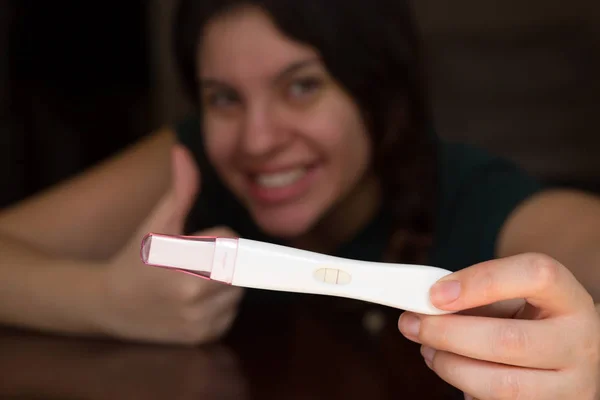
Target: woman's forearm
42, 292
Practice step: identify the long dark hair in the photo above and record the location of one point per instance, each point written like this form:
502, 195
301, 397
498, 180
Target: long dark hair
372, 48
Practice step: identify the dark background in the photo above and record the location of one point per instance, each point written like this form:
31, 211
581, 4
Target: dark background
78, 87
81, 80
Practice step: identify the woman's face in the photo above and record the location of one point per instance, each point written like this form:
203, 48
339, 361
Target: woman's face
281, 133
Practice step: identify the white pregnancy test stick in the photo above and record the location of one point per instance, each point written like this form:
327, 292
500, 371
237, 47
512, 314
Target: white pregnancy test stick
254, 264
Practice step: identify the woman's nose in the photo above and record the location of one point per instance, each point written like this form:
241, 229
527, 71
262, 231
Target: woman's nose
262, 133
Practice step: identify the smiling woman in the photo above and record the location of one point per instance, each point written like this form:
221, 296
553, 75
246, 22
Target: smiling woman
312, 129
283, 135
291, 121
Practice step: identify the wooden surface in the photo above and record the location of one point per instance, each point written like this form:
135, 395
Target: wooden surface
312, 348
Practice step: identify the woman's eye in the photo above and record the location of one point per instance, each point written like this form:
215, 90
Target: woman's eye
221, 99
304, 87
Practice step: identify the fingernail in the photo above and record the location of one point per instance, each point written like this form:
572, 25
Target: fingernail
410, 325
467, 397
428, 353
445, 292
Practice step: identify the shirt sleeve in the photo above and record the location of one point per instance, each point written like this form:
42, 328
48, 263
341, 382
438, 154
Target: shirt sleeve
478, 194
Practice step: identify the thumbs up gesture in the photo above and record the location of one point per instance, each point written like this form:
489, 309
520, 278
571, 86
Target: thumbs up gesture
152, 304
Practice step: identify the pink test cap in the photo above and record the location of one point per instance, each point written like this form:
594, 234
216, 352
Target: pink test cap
208, 257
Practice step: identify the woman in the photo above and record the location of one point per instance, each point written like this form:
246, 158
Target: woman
314, 131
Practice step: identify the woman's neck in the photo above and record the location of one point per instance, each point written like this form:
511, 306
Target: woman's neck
346, 218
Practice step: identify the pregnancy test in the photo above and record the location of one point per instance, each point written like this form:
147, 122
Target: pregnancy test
260, 265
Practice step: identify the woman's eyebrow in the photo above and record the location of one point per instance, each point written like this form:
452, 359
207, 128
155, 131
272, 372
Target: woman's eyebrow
209, 82
293, 67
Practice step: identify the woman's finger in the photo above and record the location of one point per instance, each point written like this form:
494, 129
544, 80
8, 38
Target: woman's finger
525, 343
501, 309
219, 302
539, 279
484, 380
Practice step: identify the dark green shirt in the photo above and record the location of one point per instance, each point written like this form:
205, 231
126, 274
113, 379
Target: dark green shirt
478, 191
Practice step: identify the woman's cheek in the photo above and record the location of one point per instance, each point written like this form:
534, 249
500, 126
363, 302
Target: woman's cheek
220, 144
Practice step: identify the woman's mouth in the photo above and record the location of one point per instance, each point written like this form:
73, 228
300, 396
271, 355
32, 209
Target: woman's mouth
271, 188
280, 179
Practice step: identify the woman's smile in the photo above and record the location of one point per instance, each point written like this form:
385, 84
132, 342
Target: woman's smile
283, 185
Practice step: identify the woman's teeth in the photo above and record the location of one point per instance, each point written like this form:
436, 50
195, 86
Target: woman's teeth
280, 179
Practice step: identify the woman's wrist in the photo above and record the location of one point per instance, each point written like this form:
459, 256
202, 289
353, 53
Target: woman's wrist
85, 303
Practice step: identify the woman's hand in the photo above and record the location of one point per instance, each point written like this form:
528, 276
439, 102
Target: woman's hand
526, 329
159, 305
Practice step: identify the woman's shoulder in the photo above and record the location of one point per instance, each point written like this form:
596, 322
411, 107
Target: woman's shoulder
467, 169
478, 190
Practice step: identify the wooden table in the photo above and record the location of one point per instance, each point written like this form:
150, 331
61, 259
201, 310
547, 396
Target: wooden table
283, 347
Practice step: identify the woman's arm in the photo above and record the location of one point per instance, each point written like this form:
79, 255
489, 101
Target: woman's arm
41, 291
70, 261
563, 224
93, 214
52, 245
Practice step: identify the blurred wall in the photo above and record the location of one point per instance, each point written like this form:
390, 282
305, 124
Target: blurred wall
4, 30
519, 78
499, 15
78, 88
10, 149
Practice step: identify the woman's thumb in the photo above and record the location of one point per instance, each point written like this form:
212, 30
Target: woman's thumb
185, 184
170, 213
